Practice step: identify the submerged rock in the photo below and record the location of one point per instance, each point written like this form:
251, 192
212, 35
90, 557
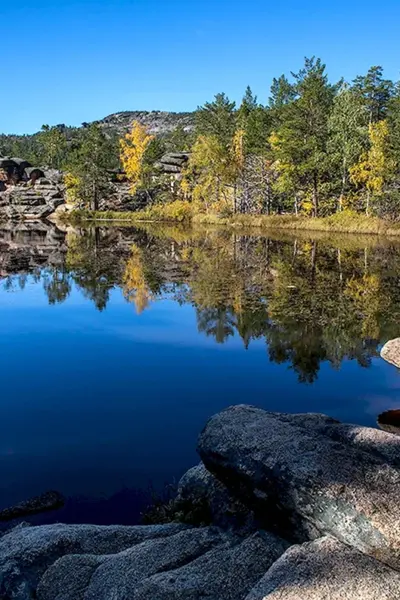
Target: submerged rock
327, 569
391, 352
44, 502
311, 475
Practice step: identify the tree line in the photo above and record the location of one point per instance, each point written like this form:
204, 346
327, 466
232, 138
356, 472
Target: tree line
314, 148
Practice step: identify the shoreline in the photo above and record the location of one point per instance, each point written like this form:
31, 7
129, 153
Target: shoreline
339, 223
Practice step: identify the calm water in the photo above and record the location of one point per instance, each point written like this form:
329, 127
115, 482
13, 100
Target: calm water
117, 344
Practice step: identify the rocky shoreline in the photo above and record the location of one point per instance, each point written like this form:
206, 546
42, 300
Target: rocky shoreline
287, 506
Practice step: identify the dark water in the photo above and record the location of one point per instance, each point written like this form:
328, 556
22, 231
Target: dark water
117, 344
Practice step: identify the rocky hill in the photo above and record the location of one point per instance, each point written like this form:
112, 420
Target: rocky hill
158, 122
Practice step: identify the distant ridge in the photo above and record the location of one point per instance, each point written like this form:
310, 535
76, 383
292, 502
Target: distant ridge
157, 122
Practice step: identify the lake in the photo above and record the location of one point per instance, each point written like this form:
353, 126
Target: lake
118, 343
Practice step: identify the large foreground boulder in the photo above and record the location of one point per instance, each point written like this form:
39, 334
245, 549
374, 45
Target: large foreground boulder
310, 475
327, 569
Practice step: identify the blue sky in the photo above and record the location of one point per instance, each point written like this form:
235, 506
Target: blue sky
68, 61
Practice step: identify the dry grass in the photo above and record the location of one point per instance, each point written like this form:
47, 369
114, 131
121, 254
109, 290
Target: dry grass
345, 222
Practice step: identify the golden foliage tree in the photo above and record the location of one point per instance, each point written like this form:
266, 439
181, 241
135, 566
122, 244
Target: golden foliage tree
374, 167
133, 148
205, 176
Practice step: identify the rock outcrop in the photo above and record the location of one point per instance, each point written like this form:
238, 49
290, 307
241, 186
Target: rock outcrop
156, 121
327, 569
266, 480
173, 162
27, 552
31, 202
78, 562
311, 475
201, 496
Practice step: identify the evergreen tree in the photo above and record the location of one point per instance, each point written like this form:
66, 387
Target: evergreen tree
375, 91
54, 146
301, 140
393, 119
218, 119
282, 92
248, 105
88, 167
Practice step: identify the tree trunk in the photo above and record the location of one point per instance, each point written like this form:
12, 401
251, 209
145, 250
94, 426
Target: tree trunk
95, 201
367, 207
296, 205
344, 181
315, 196
268, 199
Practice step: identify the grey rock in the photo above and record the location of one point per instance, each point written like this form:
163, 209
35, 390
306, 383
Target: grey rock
156, 122
44, 502
28, 201
80, 577
391, 352
26, 553
327, 569
225, 573
199, 492
313, 472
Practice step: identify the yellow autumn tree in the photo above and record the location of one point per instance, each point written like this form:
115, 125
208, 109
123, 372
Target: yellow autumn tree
374, 167
204, 178
133, 148
213, 170
237, 149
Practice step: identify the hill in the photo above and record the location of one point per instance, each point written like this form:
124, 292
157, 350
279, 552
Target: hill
158, 122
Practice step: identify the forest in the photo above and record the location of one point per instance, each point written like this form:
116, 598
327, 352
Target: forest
313, 148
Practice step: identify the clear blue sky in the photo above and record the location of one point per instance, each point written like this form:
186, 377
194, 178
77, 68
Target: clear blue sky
68, 61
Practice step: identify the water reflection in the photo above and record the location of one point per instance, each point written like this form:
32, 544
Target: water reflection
311, 300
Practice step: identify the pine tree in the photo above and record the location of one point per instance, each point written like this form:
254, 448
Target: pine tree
218, 119
301, 139
282, 92
375, 91
53, 146
88, 167
248, 105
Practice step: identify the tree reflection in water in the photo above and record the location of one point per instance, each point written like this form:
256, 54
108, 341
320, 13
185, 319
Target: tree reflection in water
310, 300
